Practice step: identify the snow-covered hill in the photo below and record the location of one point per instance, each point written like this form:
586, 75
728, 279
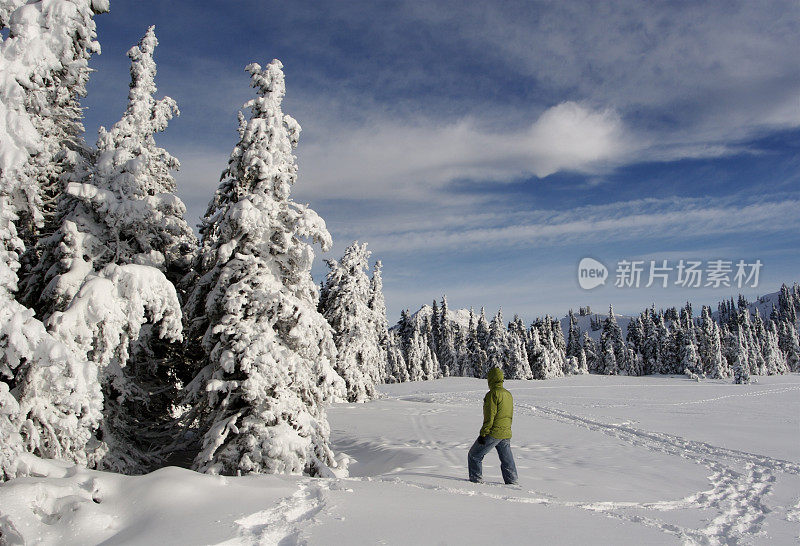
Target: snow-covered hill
610, 460
459, 316
585, 323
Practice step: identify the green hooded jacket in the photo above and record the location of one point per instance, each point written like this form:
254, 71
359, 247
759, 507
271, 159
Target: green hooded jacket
498, 407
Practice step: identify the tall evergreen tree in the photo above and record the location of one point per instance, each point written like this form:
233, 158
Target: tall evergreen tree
436, 322
268, 353
475, 351
52, 99
344, 302
418, 357
126, 210
126, 213
482, 333
516, 364
377, 304
710, 347
43, 60
741, 366
397, 369
789, 344
497, 343
448, 358
613, 353
591, 353
573, 336
635, 339
774, 358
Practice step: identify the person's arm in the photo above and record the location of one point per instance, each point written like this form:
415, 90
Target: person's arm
489, 411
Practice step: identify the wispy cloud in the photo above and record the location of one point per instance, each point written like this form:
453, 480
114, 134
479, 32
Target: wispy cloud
618, 222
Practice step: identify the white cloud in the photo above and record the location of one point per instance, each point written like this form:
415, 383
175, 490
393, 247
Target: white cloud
389, 158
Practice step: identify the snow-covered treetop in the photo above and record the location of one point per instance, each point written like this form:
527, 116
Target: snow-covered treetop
258, 179
271, 88
43, 39
132, 136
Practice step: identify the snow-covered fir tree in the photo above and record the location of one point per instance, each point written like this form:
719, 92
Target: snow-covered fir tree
435, 334
741, 366
546, 361
52, 93
476, 354
10, 439
377, 304
344, 302
497, 346
448, 357
789, 343
590, 351
559, 344
774, 359
482, 333
396, 367
418, 358
127, 210
268, 354
516, 364
47, 45
690, 361
430, 362
573, 336
710, 347
101, 327
125, 213
613, 354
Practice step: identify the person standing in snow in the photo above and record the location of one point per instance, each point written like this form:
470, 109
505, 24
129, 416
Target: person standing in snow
498, 412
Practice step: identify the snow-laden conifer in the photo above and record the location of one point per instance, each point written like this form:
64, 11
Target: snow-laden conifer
613, 353
10, 439
741, 366
418, 357
377, 304
268, 353
448, 357
497, 343
789, 344
126, 210
345, 304
44, 54
774, 359
101, 327
397, 369
590, 351
573, 336
516, 364
710, 347
54, 41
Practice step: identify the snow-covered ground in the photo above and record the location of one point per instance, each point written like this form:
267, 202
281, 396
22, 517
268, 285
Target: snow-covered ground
608, 460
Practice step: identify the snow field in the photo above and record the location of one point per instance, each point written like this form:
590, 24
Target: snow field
602, 460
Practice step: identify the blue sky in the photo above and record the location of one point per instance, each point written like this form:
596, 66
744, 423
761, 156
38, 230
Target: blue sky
483, 148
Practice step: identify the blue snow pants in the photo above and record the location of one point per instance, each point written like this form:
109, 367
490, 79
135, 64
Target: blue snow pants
478, 451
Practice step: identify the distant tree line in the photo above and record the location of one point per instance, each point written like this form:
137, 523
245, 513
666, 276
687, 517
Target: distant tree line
738, 343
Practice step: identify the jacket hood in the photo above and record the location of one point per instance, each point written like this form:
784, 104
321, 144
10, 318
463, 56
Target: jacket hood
495, 377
